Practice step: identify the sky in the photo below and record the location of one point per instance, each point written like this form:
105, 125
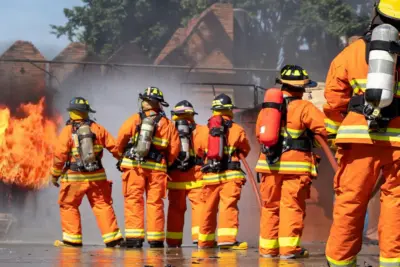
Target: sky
29, 20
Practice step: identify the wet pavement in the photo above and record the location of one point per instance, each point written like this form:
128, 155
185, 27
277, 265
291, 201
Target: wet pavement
48, 255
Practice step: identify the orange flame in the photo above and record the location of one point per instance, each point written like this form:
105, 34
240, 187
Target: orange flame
26, 146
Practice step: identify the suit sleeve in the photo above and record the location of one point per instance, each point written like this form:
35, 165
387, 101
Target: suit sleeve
243, 145
125, 133
338, 92
313, 119
62, 151
173, 145
110, 143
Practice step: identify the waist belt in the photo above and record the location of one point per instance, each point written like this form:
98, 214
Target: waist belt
301, 144
74, 166
223, 166
155, 155
193, 161
357, 104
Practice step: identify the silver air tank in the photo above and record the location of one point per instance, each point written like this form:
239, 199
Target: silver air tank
381, 72
145, 138
86, 149
184, 133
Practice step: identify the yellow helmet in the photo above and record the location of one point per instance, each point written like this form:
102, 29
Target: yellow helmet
389, 9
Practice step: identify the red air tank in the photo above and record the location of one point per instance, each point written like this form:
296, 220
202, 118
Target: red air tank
215, 138
270, 126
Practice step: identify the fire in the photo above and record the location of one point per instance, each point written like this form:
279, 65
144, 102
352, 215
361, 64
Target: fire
26, 146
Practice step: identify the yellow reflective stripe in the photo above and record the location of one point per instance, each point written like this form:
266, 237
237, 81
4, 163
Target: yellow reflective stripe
56, 172
331, 126
128, 163
268, 243
155, 235
175, 235
361, 132
206, 237
76, 239
84, 177
348, 263
134, 233
220, 177
112, 236
289, 241
227, 231
293, 133
96, 149
195, 230
227, 150
185, 185
160, 142
389, 262
289, 166
191, 153
358, 85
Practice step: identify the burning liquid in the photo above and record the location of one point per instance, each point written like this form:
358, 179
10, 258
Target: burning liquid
26, 146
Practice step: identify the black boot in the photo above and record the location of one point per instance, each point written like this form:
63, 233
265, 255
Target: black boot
134, 243
156, 244
115, 243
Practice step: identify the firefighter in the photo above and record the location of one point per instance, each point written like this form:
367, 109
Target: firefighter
149, 143
185, 176
77, 160
368, 141
288, 167
223, 178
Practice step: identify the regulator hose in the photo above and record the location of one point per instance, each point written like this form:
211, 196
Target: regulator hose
252, 180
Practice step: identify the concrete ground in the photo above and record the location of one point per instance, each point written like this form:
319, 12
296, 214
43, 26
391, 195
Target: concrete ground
47, 255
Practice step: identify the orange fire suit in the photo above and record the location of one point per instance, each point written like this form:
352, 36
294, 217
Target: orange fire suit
285, 185
182, 184
361, 154
148, 177
75, 185
222, 190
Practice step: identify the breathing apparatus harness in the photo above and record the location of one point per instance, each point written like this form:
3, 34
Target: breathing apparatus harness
378, 119
218, 131
286, 143
185, 161
83, 139
140, 147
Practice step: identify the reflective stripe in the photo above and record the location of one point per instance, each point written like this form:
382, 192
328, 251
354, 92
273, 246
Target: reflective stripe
195, 230
134, 233
293, 133
348, 263
56, 172
220, 177
84, 177
128, 163
155, 235
175, 235
227, 150
76, 239
185, 185
96, 149
360, 85
287, 166
112, 236
389, 262
268, 243
361, 132
160, 142
155, 141
206, 237
227, 231
331, 126
289, 241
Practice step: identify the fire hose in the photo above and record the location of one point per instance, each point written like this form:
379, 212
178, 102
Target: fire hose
252, 180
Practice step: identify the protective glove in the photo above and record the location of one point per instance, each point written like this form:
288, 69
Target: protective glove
54, 180
119, 165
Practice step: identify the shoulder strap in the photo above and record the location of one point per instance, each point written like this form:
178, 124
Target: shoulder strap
367, 40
